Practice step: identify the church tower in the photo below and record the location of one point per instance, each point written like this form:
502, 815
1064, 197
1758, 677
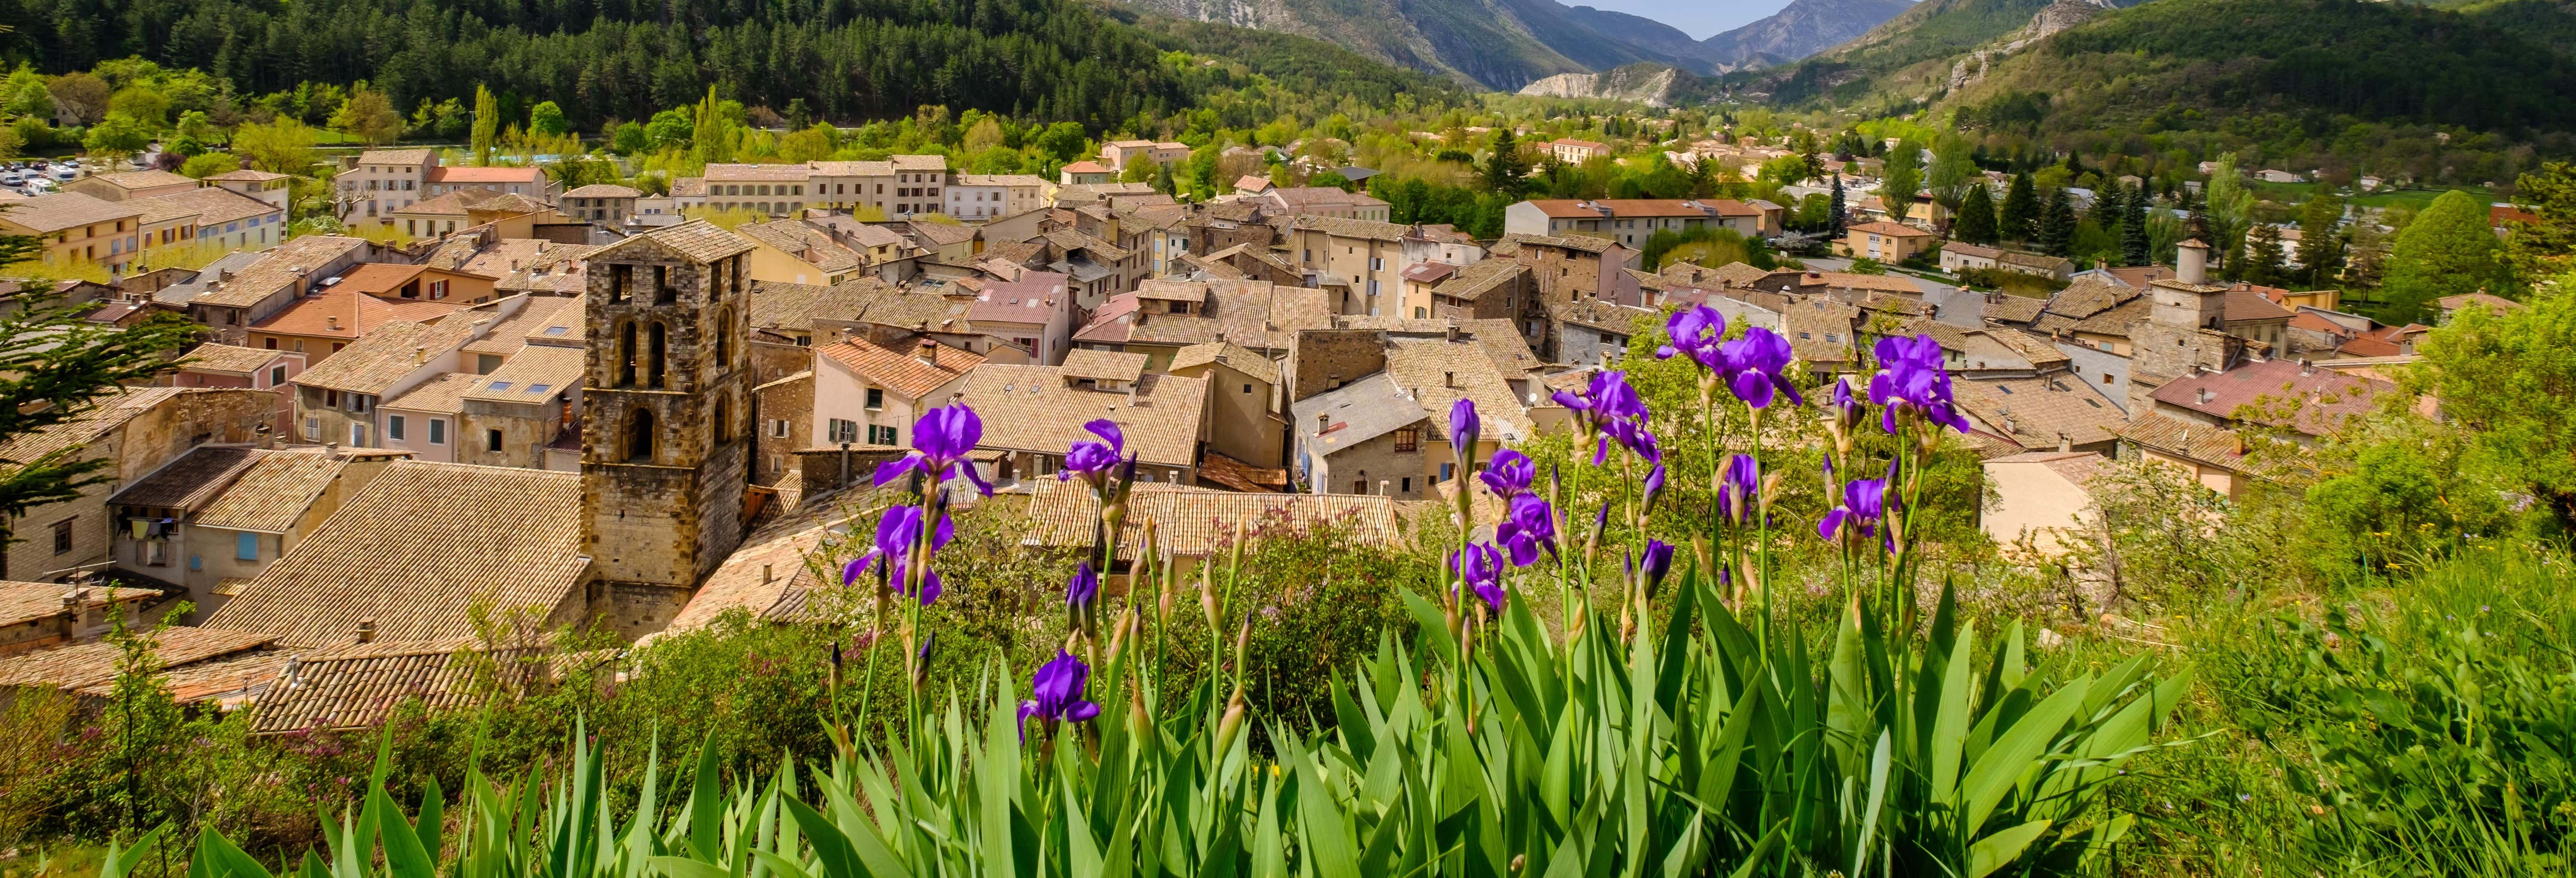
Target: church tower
665, 436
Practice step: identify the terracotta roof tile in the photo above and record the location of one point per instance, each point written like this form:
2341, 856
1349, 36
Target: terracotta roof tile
190, 480
351, 314
530, 323
88, 664
533, 375
358, 686
2216, 446
416, 550
1036, 409
62, 210
697, 239
442, 394
24, 602
213, 205
110, 413
385, 356
2039, 409
2323, 398
272, 494
227, 359
902, 371
280, 268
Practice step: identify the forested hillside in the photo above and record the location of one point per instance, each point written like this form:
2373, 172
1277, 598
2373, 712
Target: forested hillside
846, 59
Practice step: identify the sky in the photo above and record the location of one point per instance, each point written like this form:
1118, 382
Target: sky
1699, 18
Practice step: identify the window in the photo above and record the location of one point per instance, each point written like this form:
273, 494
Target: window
876, 398
438, 431
839, 431
313, 429
540, 388
1247, 388
498, 386
639, 437
276, 374
491, 440
654, 363
357, 435
394, 427
884, 435
1408, 484
1408, 439
63, 535
778, 429
1359, 486
271, 343
246, 546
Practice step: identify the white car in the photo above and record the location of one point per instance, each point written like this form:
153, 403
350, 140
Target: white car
66, 174
11, 178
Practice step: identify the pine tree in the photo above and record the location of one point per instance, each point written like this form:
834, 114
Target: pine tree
2020, 220
1976, 224
2262, 256
2056, 233
2321, 250
1506, 172
1839, 210
2133, 229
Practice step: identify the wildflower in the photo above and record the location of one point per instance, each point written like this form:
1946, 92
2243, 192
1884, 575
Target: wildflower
1847, 410
1057, 694
1091, 461
1740, 489
1657, 562
1464, 428
1084, 588
1529, 526
1509, 474
1654, 483
1481, 569
1758, 364
1631, 435
1864, 506
1911, 381
1696, 333
897, 532
941, 439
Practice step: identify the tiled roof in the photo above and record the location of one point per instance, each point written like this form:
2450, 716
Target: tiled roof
902, 371
1346, 227
919, 162
1103, 365
1819, 329
246, 175
24, 602
1029, 298
190, 480
1069, 240
1255, 314
1601, 314
235, 680
2322, 398
2247, 304
442, 394
62, 210
271, 495
1034, 408
2018, 310
1882, 227
2498, 304
131, 180
2040, 408
940, 234
1479, 278
1956, 248
180, 294
534, 375
395, 157
110, 413
605, 190
777, 564
457, 203
529, 323
1357, 412
281, 267
1429, 272
804, 242
776, 305
385, 356
1439, 373
350, 313
466, 175
360, 685
758, 173
213, 205
1196, 522
88, 664
416, 550
696, 239
1583, 243
1321, 196
2217, 446
1240, 358
227, 359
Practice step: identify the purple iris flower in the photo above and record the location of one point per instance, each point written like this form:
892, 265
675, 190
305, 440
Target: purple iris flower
1911, 378
1092, 461
1864, 506
1509, 474
1056, 694
1654, 482
897, 531
1658, 561
1696, 333
941, 439
1630, 434
1530, 526
1758, 364
1847, 410
1481, 568
1085, 587
1607, 400
1739, 489
1464, 428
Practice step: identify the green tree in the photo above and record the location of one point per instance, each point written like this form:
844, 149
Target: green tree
2263, 253
2321, 247
2448, 250
629, 139
56, 367
1139, 169
670, 129
1904, 179
547, 118
711, 128
1953, 169
1976, 222
487, 124
2056, 232
369, 115
2509, 380
2544, 248
2020, 218
1506, 171
281, 147
2231, 205
1840, 210
116, 137
209, 164
26, 95
2135, 248
1063, 141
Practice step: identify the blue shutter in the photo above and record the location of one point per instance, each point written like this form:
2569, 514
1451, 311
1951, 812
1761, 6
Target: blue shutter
246, 546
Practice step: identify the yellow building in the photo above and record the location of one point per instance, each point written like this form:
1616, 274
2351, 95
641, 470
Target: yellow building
77, 228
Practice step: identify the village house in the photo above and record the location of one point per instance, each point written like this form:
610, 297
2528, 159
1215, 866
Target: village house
1575, 152
218, 217
512, 216
1957, 257
1576, 266
1247, 420
1163, 316
515, 413
871, 394
1033, 311
1886, 242
977, 197
2301, 398
795, 251
1033, 413
322, 324
222, 365
266, 187
1297, 201
1085, 173
136, 431
1385, 429
201, 668
2212, 457
215, 517
1118, 153
337, 400
78, 229
1632, 221
51, 615
608, 204
131, 185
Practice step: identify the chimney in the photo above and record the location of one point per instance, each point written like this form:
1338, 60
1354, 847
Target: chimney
420, 354
332, 322
367, 630
1382, 488
1453, 333
2100, 264
766, 576
1322, 422
2011, 426
1449, 379
2065, 442
71, 616
928, 354
2205, 396
2191, 262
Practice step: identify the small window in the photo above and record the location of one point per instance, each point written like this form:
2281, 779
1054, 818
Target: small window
1408, 439
778, 429
63, 535
394, 427
438, 431
838, 431
876, 398
498, 386
276, 374
246, 546
491, 440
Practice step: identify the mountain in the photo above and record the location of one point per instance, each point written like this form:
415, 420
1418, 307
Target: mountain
1918, 48
1798, 30
1496, 44
1653, 85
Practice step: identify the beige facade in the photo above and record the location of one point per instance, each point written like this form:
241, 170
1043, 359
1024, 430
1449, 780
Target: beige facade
138, 432
378, 182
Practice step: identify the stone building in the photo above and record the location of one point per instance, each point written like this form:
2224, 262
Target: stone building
666, 440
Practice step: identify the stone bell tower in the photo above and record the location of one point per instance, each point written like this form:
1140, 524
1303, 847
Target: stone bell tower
665, 428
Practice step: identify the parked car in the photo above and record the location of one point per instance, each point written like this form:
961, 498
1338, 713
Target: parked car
66, 174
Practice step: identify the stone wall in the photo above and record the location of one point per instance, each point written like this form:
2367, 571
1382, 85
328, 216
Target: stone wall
787, 404
1321, 357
